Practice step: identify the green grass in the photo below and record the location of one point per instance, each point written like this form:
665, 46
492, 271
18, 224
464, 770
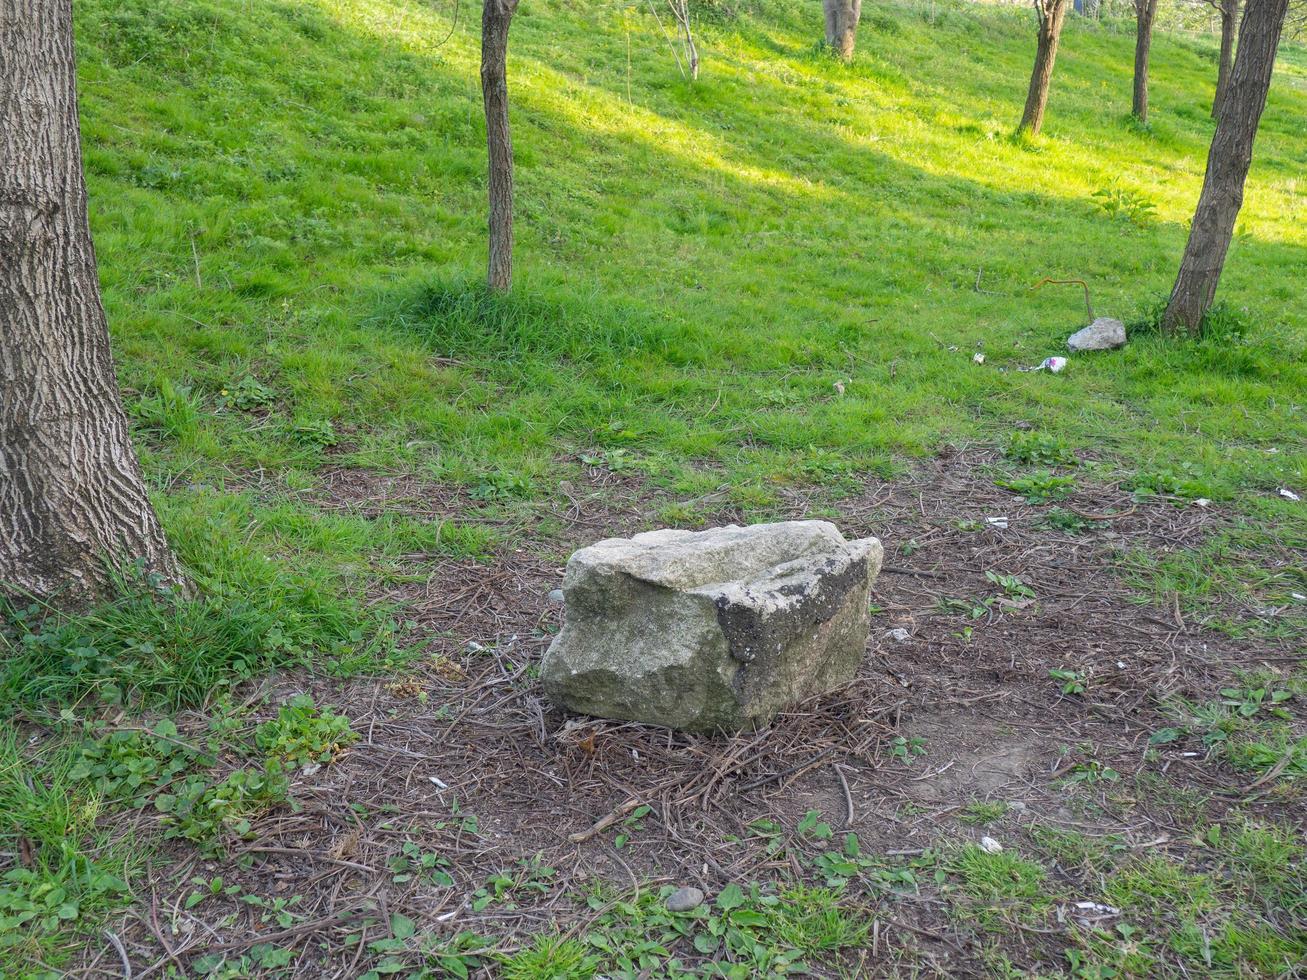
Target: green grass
697, 265
77, 871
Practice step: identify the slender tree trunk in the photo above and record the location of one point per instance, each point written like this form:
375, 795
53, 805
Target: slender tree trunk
842, 18
1051, 14
496, 16
1228, 161
1145, 12
73, 504
1229, 18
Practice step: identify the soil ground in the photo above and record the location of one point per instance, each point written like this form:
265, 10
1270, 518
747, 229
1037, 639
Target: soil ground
462, 756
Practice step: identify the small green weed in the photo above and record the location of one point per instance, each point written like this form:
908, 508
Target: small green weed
206, 813
301, 733
1117, 201
1011, 585
127, 765
1184, 482
1040, 449
246, 394
813, 827
746, 932
1039, 487
530, 876
1073, 681
1067, 520
1091, 773
458, 955
413, 863
314, 433
905, 749
633, 823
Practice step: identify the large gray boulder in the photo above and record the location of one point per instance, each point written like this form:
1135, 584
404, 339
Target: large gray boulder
1104, 333
705, 630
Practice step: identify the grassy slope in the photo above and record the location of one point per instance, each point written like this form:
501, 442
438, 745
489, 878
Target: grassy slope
697, 265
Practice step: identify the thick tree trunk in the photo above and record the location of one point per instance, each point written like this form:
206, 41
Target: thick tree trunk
1051, 15
1229, 18
72, 501
1145, 12
496, 16
842, 18
1228, 161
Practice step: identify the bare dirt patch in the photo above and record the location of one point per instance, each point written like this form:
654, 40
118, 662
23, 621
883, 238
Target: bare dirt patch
463, 758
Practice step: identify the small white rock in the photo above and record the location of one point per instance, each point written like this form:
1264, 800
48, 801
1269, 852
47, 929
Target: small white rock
990, 846
1104, 333
898, 635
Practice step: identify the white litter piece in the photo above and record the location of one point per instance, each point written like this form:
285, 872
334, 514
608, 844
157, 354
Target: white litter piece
839, 387
978, 358
1053, 365
472, 646
310, 768
898, 635
1288, 494
435, 781
998, 522
1298, 596
1202, 502
1098, 907
990, 846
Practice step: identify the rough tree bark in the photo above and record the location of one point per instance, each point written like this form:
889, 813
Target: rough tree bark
496, 16
73, 504
1228, 161
842, 18
1051, 14
1145, 12
1229, 10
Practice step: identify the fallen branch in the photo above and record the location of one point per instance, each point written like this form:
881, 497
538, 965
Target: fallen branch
122, 953
915, 572
1103, 517
604, 822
